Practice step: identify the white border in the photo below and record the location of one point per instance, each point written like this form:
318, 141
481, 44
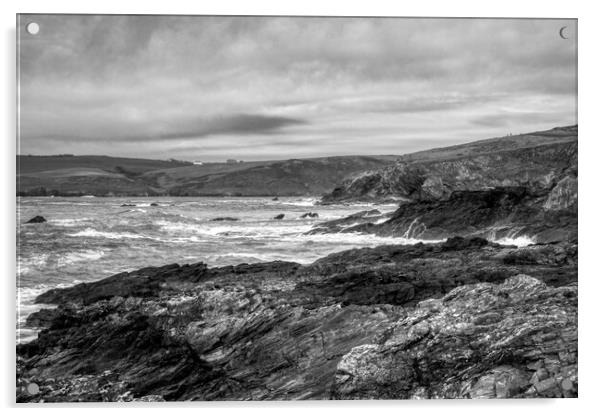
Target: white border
590, 96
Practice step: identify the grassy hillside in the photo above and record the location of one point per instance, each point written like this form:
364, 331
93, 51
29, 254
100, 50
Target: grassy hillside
435, 173
30, 164
101, 175
498, 144
532, 159
287, 177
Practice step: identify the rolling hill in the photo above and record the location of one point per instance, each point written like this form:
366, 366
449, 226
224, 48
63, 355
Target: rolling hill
107, 176
532, 159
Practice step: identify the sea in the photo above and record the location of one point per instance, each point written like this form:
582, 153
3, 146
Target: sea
88, 238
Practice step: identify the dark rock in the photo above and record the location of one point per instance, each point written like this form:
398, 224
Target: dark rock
128, 205
537, 161
341, 224
224, 219
478, 341
459, 243
518, 186
147, 282
279, 217
275, 198
43, 317
36, 220
494, 214
310, 215
387, 322
154, 204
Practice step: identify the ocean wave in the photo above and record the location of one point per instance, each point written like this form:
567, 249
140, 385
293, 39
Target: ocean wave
148, 204
25, 306
68, 222
359, 239
90, 232
304, 202
135, 210
520, 241
256, 229
24, 265
78, 256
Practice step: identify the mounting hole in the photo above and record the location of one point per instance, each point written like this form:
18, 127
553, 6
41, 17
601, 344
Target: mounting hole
33, 389
32, 28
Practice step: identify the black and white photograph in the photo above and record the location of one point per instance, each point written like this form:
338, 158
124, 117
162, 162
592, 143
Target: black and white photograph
278, 208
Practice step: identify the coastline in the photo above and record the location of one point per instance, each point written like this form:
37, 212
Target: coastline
281, 330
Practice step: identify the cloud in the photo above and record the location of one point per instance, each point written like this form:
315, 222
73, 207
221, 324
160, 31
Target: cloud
508, 119
244, 124
106, 83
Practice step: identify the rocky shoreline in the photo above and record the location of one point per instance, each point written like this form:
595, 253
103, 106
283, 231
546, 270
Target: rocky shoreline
537, 161
465, 318
519, 186
497, 213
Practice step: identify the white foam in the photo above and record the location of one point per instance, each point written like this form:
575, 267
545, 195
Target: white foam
26, 306
90, 232
147, 204
520, 241
24, 266
257, 229
363, 240
68, 222
304, 202
78, 256
381, 220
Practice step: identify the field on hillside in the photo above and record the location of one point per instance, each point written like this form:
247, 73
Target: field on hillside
29, 164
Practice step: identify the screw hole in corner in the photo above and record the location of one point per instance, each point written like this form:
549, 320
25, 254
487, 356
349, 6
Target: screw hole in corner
33, 28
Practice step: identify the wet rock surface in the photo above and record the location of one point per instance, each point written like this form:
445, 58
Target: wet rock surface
512, 339
518, 186
341, 224
463, 318
538, 161
502, 212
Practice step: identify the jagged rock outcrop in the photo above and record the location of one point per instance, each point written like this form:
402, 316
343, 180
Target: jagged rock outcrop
285, 331
496, 213
537, 161
514, 339
341, 224
563, 195
519, 186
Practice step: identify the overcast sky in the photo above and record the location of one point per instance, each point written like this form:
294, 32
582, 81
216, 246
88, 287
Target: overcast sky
211, 88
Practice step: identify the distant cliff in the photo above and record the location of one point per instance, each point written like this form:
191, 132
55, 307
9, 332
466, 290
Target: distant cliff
520, 186
107, 176
535, 160
293, 177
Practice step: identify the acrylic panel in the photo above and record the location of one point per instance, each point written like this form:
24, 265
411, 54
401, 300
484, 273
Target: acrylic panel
295, 208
